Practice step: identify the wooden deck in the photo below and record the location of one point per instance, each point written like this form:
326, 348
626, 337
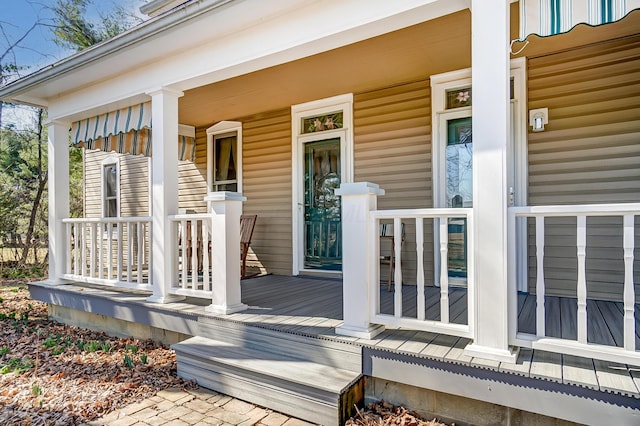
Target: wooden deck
313, 307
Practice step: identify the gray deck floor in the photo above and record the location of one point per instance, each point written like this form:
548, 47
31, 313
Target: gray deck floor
313, 306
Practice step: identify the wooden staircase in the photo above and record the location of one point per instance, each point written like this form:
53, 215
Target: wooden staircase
314, 379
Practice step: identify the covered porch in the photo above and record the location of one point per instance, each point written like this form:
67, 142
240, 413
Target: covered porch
509, 240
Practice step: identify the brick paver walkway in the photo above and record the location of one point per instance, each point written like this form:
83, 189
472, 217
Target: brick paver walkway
178, 407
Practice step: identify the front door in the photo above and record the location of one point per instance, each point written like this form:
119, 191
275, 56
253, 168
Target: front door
322, 224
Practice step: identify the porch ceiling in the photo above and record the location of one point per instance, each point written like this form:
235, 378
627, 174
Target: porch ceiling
404, 55
413, 53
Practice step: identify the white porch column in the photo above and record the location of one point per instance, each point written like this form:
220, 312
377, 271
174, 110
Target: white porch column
358, 199
164, 190
226, 208
490, 110
58, 172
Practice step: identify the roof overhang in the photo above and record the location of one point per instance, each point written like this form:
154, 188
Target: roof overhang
206, 41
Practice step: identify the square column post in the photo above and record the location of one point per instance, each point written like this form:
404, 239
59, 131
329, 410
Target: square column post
226, 209
490, 111
164, 191
58, 170
358, 199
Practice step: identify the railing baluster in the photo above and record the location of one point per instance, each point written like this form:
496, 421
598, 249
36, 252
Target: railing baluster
206, 282
397, 277
101, 251
94, 253
129, 250
185, 260
629, 294
69, 247
444, 269
76, 245
420, 266
109, 250
374, 269
194, 254
581, 249
149, 232
83, 269
119, 252
540, 310
141, 250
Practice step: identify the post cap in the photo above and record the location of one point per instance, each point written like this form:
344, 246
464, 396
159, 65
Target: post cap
225, 196
359, 188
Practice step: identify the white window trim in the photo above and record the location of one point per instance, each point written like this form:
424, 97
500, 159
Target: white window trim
342, 103
109, 161
440, 83
219, 129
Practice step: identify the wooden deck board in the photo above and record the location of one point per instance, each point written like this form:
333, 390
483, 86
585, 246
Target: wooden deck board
396, 339
597, 330
439, 347
614, 377
456, 353
522, 365
553, 319
527, 316
613, 319
546, 365
418, 343
579, 371
569, 318
458, 306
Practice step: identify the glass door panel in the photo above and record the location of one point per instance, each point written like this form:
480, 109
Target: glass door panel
459, 190
322, 223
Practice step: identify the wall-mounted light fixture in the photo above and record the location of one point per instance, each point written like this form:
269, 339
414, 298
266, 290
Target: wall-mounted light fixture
538, 118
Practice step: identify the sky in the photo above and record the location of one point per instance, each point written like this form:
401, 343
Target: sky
38, 49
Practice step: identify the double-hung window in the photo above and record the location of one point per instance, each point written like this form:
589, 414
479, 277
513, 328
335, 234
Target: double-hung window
110, 188
224, 152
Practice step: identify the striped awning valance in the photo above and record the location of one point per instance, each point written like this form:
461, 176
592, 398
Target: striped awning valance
550, 17
125, 131
135, 117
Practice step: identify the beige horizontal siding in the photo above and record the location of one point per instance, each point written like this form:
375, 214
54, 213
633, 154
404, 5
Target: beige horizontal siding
192, 178
134, 184
266, 174
392, 130
589, 153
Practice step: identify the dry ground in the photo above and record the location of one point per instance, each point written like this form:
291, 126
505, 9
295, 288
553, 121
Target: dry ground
52, 373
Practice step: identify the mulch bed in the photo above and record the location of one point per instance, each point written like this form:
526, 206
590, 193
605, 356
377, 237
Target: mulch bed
55, 374
383, 413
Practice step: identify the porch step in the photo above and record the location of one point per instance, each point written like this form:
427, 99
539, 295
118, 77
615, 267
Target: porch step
257, 370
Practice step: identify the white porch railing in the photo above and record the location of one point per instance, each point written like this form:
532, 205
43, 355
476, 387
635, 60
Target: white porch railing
109, 251
628, 353
191, 236
440, 219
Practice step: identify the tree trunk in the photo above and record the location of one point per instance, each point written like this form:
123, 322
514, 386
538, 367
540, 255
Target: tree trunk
42, 182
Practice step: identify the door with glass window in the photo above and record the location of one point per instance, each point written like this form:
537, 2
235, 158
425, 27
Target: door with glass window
458, 182
458, 189
322, 216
